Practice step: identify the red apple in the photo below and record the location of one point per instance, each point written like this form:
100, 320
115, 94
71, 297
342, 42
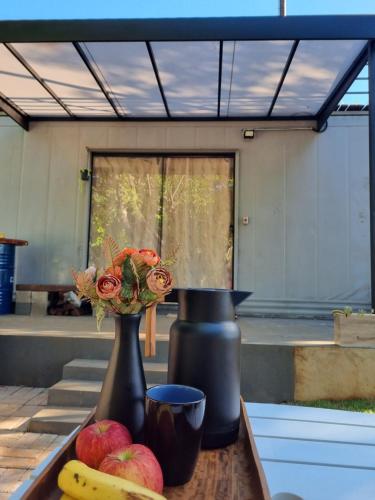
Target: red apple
136, 463
96, 441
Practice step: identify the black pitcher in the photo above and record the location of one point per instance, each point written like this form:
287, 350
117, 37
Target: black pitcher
204, 352
124, 386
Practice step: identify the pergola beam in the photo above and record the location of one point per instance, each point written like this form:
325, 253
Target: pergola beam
340, 90
283, 76
157, 76
341, 27
96, 77
219, 78
371, 81
300, 118
12, 112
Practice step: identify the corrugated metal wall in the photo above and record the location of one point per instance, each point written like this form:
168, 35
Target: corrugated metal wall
306, 249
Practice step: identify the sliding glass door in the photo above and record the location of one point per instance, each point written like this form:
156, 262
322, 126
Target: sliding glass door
175, 203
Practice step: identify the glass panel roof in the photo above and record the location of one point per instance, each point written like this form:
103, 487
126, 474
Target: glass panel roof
316, 69
60, 65
250, 76
189, 75
17, 84
137, 76
126, 71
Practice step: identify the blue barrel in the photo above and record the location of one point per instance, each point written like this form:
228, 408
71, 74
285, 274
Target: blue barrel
7, 253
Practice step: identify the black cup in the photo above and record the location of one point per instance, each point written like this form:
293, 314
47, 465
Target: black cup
173, 429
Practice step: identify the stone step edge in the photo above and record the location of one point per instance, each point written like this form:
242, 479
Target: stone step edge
60, 424
97, 384
77, 385
76, 363
62, 409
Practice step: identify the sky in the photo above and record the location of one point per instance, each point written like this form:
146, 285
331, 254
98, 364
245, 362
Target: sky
85, 9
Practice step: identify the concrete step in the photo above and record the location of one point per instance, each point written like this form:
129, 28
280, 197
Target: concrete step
85, 369
57, 420
94, 369
75, 392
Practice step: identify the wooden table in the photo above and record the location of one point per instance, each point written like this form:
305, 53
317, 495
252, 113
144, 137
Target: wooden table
315, 453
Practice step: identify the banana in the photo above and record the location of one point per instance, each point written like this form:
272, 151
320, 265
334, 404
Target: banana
83, 483
66, 497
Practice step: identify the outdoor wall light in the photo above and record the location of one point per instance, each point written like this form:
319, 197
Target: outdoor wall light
85, 174
248, 133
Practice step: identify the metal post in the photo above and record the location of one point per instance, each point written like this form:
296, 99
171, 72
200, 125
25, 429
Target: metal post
371, 115
282, 7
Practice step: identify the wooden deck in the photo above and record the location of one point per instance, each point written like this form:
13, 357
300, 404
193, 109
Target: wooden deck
21, 451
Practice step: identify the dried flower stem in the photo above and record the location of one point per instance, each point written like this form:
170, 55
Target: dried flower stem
150, 340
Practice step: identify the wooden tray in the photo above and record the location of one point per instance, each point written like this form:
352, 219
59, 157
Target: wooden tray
234, 472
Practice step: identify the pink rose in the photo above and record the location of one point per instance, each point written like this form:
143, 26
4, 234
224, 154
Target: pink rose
159, 280
108, 287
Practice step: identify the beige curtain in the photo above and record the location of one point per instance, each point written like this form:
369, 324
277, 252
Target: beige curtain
197, 218
125, 204
175, 203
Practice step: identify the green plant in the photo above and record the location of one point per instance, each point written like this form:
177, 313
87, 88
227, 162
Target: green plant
361, 405
347, 311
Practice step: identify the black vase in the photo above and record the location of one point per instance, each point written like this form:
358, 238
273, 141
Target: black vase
124, 387
204, 352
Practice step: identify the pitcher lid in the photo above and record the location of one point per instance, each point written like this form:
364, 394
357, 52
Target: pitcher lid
208, 304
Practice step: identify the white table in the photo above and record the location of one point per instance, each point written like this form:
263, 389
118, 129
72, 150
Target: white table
314, 453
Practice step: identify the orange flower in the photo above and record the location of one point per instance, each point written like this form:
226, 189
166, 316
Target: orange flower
108, 287
120, 259
115, 271
150, 257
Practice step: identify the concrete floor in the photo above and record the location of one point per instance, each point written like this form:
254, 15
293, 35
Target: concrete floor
270, 331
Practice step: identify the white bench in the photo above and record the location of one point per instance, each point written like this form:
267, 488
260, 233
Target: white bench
314, 453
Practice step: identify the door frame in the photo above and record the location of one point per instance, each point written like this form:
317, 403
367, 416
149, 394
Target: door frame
233, 154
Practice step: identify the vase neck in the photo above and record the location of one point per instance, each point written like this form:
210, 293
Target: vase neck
126, 324
127, 336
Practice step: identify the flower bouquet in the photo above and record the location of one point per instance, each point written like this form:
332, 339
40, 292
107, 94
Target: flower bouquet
133, 279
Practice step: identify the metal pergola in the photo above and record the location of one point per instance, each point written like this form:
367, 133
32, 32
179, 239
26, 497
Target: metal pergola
199, 69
